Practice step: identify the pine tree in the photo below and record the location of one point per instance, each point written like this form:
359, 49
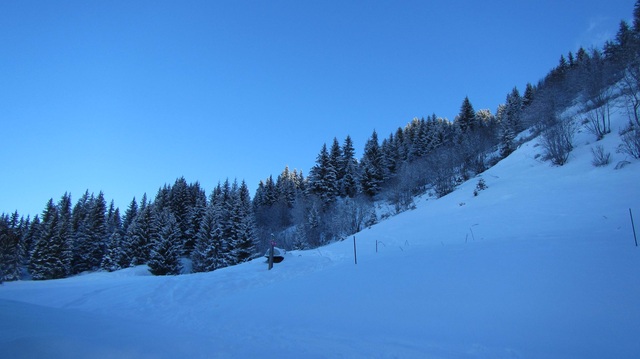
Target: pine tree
65, 233
129, 215
623, 49
466, 120
402, 147
563, 65
513, 112
244, 245
527, 98
164, 258
286, 188
10, 259
97, 225
323, 178
163, 198
417, 135
336, 160
114, 220
128, 247
31, 236
506, 133
206, 252
349, 184
115, 257
195, 217
582, 57
391, 157
636, 17
180, 203
225, 222
372, 167
46, 258
259, 198
80, 230
141, 233
270, 192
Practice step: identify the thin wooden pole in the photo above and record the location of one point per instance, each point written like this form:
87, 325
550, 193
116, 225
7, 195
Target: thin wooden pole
634, 227
273, 244
355, 255
271, 257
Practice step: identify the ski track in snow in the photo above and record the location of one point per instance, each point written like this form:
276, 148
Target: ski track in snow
541, 264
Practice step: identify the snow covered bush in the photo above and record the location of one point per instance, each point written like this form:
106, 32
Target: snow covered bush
630, 142
600, 157
557, 141
598, 121
481, 186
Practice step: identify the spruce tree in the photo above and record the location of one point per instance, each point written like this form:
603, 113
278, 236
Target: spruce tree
372, 167
65, 233
195, 217
114, 220
225, 222
270, 192
402, 145
180, 203
286, 188
527, 98
636, 17
244, 245
129, 215
128, 247
10, 258
466, 120
323, 178
336, 159
97, 224
31, 236
81, 240
513, 111
206, 252
141, 233
391, 156
506, 133
115, 256
46, 258
349, 183
164, 258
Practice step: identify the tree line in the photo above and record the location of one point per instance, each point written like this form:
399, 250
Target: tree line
180, 223
184, 230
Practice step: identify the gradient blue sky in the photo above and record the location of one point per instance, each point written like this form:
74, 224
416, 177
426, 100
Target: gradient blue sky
125, 96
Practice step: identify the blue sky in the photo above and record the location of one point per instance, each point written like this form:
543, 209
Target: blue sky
125, 96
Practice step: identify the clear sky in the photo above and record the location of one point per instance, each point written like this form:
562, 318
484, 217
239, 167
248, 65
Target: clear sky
125, 96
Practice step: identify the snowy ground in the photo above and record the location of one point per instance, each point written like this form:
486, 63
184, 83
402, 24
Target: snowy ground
542, 264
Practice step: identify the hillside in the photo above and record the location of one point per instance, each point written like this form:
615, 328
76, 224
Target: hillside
541, 264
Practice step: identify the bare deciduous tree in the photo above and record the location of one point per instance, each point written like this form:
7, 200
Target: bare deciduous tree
599, 117
557, 141
630, 142
600, 156
630, 89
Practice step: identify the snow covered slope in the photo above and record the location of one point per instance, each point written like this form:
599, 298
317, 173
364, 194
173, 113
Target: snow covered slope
542, 264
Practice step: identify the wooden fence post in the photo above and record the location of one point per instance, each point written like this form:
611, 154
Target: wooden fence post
273, 244
634, 228
271, 257
355, 255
